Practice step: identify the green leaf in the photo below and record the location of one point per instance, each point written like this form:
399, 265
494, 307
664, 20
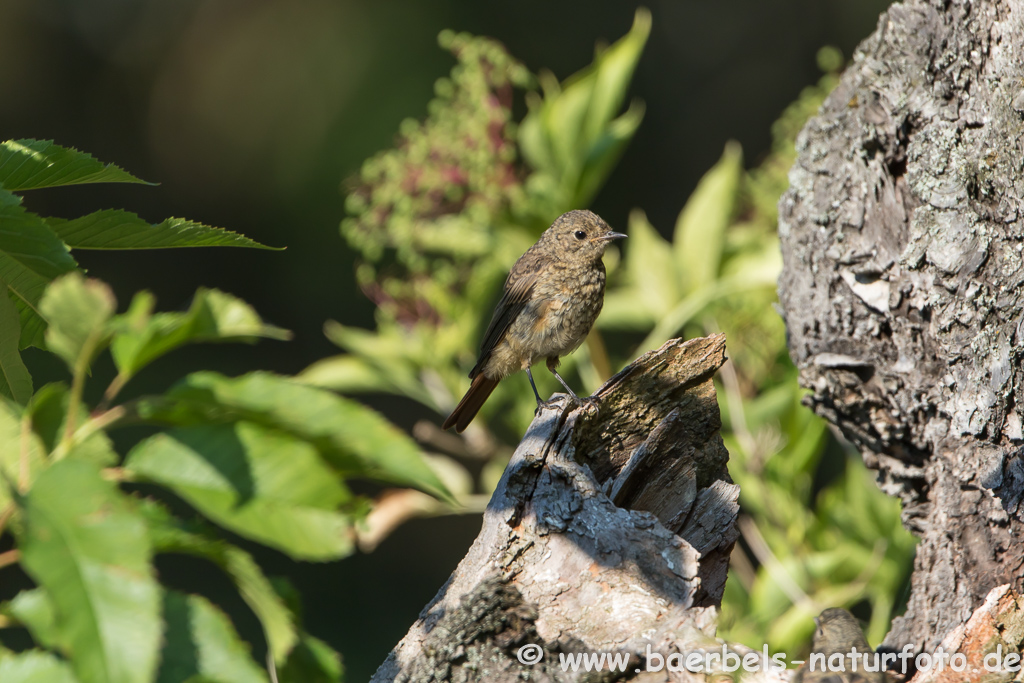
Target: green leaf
34, 666
605, 152
32, 164
48, 411
119, 229
33, 609
141, 337
15, 380
25, 287
259, 483
27, 239
169, 535
570, 137
85, 546
353, 438
77, 311
650, 267
202, 642
22, 455
312, 661
700, 230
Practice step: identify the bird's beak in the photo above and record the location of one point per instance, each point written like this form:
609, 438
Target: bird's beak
608, 237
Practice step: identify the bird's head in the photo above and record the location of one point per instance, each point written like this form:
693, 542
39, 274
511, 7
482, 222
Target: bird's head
579, 236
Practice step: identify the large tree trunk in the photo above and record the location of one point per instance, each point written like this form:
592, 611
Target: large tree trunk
610, 531
903, 289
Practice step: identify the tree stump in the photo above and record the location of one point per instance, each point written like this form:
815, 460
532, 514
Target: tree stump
903, 288
609, 531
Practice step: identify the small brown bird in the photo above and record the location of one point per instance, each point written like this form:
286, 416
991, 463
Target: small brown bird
552, 297
839, 632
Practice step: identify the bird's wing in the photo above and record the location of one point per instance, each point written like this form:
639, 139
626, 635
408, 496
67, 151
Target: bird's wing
518, 290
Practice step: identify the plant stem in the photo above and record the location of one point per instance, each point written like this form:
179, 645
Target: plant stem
10, 557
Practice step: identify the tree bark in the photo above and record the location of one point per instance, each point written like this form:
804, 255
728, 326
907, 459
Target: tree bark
903, 289
610, 531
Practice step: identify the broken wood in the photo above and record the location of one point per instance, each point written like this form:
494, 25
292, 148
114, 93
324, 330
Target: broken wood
610, 531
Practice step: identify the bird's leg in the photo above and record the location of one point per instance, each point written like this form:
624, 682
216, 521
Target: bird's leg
535, 392
590, 402
552, 366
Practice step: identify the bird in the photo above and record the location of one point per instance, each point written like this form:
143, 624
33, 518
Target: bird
551, 298
838, 632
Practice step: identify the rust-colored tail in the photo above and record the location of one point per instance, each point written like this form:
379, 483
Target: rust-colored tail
470, 404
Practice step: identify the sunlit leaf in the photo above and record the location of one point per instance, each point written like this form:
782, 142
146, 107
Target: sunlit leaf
605, 152
169, 535
48, 411
141, 337
650, 268
202, 642
119, 229
569, 137
33, 666
32, 164
85, 546
353, 438
22, 455
77, 311
700, 229
260, 483
34, 610
15, 380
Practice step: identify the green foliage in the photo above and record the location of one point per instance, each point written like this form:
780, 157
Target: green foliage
34, 249
808, 550
260, 455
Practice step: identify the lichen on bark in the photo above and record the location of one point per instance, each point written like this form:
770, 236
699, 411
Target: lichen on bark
903, 288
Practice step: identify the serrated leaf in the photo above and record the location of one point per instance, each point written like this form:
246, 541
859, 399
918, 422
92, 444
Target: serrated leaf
25, 237
86, 547
168, 535
260, 483
700, 229
202, 642
32, 164
77, 311
15, 380
353, 438
214, 316
34, 666
119, 229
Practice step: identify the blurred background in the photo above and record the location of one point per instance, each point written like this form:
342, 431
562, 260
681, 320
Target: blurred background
250, 114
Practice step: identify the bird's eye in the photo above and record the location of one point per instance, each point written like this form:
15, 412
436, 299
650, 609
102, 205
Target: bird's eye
579, 234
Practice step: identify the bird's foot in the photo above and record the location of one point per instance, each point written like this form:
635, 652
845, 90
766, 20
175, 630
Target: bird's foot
589, 405
554, 403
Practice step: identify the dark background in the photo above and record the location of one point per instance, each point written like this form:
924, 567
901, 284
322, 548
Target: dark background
250, 113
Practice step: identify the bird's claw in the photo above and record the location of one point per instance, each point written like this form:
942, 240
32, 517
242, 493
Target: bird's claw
590, 405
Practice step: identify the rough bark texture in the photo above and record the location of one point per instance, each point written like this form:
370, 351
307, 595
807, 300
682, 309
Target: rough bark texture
609, 531
903, 289
997, 627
